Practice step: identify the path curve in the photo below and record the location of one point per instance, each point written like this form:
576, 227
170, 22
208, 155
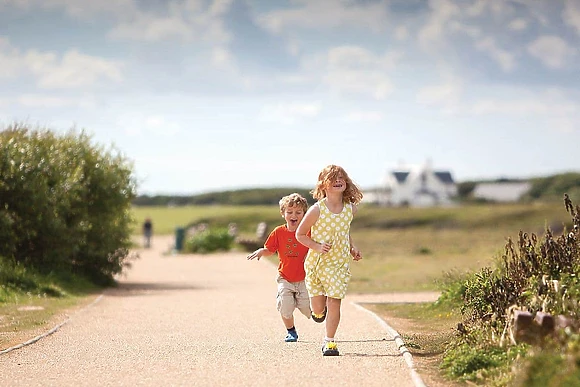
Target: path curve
205, 321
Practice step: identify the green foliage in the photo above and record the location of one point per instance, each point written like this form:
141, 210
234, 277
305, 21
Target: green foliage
208, 241
452, 286
550, 368
64, 203
553, 187
246, 197
15, 278
479, 361
535, 275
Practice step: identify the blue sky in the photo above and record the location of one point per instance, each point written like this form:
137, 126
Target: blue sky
206, 95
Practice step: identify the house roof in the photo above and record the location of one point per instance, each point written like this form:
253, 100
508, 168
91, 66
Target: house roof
400, 176
445, 177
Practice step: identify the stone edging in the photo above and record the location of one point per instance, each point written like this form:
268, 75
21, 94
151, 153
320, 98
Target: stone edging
48, 333
400, 345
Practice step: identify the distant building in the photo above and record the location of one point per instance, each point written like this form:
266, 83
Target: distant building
501, 191
417, 186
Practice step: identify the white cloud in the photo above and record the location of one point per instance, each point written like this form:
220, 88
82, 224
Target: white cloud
51, 101
73, 70
498, 8
151, 28
187, 19
559, 111
324, 14
553, 51
361, 116
432, 35
223, 59
464, 29
289, 113
10, 60
355, 70
78, 8
519, 24
571, 14
401, 33
446, 95
138, 124
191, 20
504, 58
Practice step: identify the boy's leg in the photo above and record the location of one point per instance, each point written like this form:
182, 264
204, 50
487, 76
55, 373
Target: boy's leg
288, 322
302, 299
285, 304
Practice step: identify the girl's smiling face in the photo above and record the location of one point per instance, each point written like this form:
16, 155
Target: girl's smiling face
293, 215
338, 184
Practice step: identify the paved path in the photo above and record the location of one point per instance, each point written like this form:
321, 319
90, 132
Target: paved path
204, 321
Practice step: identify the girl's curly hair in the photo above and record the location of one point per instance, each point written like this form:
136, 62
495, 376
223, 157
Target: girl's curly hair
352, 193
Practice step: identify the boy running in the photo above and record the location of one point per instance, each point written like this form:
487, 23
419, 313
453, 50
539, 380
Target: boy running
292, 292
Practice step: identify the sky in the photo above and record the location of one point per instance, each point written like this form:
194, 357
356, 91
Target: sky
211, 95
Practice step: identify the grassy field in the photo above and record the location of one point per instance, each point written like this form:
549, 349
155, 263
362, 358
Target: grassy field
405, 249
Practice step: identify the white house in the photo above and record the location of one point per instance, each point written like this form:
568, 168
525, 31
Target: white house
502, 191
418, 186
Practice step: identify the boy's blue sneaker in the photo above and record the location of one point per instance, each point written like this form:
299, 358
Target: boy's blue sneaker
319, 317
291, 337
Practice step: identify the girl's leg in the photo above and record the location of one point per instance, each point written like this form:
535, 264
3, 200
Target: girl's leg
332, 317
317, 304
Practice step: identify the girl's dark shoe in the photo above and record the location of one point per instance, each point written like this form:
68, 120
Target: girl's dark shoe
319, 318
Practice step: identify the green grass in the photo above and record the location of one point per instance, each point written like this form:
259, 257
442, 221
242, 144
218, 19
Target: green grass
29, 300
404, 249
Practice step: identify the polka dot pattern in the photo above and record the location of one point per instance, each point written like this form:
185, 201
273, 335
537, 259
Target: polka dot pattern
328, 274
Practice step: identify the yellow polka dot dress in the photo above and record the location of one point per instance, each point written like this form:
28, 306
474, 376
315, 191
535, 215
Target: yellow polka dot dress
328, 274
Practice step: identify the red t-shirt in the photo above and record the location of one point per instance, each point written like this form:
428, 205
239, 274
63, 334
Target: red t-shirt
291, 253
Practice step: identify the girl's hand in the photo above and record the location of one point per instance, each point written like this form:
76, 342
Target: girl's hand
356, 253
324, 247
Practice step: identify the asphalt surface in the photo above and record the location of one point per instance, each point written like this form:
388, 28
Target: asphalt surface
194, 320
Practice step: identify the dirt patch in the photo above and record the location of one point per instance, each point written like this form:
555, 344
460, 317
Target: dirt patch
425, 345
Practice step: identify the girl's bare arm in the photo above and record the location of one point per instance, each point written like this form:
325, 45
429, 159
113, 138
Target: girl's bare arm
304, 227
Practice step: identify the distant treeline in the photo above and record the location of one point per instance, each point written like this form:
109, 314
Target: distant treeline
247, 197
551, 188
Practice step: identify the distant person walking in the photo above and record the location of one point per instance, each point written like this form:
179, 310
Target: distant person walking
292, 292
147, 232
325, 230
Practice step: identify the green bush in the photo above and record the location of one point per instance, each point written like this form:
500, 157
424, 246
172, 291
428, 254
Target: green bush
209, 241
534, 274
64, 203
15, 278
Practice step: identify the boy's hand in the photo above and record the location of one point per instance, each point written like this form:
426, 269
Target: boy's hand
256, 254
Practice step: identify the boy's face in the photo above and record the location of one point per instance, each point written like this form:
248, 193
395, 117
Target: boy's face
293, 215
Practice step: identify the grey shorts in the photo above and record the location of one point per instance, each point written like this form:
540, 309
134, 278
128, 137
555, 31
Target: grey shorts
292, 295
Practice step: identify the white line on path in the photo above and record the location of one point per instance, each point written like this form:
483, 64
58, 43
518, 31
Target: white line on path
400, 344
50, 332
